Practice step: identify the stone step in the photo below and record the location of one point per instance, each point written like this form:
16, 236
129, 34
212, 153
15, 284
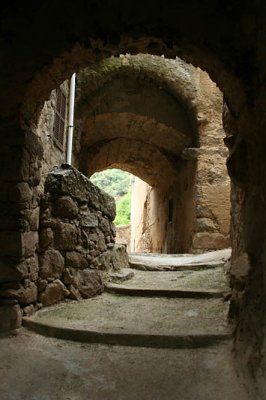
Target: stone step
147, 266
136, 321
212, 281
178, 262
149, 292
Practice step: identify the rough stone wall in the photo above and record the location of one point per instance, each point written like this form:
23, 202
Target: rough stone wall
37, 273
77, 238
31, 156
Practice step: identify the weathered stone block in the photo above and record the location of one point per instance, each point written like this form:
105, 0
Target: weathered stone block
51, 264
10, 317
28, 295
68, 276
205, 225
89, 283
46, 238
89, 220
210, 241
119, 257
103, 261
76, 260
65, 236
29, 242
65, 207
53, 293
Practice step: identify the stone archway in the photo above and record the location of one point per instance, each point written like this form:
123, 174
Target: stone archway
161, 120
35, 63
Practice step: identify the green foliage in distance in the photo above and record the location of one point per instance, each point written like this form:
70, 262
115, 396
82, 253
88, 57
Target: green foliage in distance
117, 183
123, 210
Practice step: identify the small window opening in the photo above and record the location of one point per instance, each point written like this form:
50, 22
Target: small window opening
170, 210
59, 121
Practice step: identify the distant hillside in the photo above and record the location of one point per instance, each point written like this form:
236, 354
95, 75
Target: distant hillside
117, 183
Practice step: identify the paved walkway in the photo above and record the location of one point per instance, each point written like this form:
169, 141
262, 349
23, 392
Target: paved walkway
172, 325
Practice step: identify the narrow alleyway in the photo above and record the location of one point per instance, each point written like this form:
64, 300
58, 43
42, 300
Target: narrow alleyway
171, 320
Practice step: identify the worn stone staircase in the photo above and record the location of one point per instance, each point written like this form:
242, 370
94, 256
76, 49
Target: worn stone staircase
162, 334
169, 302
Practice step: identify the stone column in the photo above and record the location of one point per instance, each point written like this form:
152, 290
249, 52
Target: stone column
20, 158
212, 208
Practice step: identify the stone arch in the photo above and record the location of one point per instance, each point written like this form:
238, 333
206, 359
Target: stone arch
35, 63
130, 117
141, 113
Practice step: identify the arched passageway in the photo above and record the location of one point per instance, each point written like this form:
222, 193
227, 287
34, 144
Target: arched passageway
161, 120
34, 63
135, 125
